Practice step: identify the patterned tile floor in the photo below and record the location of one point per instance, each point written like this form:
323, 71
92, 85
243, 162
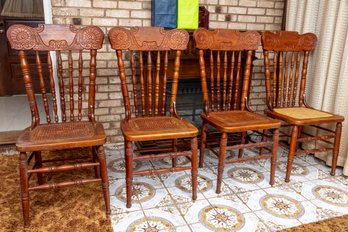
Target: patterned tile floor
246, 203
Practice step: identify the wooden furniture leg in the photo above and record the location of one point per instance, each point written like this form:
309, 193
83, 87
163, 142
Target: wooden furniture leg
223, 144
292, 151
23, 170
129, 172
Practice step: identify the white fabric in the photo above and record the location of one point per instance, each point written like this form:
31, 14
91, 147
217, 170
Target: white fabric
327, 85
23, 8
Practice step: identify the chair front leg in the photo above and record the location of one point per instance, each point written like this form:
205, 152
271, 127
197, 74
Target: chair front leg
202, 145
23, 170
223, 144
243, 140
95, 157
175, 149
129, 172
336, 149
263, 139
292, 151
194, 167
38, 160
274, 155
104, 177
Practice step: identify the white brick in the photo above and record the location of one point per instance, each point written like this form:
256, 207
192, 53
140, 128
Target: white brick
105, 22
237, 10
79, 3
146, 23
228, 2
256, 11
58, 2
64, 11
246, 18
129, 5
213, 25
208, 2
272, 27
105, 4
92, 12
255, 26
117, 13
264, 19
239, 26
141, 14
130, 22
275, 12
247, 3
265, 3
279, 5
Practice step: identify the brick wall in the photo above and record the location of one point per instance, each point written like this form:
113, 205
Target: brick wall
235, 14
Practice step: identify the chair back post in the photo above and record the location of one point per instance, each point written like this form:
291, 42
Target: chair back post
61, 39
148, 77
290, 50
229, 85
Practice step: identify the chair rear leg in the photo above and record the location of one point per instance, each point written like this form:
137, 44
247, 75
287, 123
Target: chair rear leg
104, 177
129, 172
336, 149
202, 145
222, 151
194, 167
243, 140
274, 155
95, 157
292, 150
263, 139
23, 170
38, 160
175, 148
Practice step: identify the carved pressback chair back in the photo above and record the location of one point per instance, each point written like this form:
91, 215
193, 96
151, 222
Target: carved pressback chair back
70, 45
286, 56
225, 84
149, 49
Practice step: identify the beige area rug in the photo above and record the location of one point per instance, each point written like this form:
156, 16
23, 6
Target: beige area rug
78, 208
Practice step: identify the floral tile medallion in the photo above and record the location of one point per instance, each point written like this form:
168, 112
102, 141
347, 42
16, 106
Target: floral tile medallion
119, 165
185, 183
151, 224
331, 195
297, 169
245, 175
221, 218
282, 206
141, 191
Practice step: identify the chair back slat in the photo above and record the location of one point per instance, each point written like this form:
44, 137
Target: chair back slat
52, 87
165, 73
230, 55
150, 47
290, 52
61, 84
80, 69
71, 86
42, 86
66, 41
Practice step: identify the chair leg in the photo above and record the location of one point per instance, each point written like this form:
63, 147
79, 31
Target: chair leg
292, 150
174, 159
336, 149
23, 170
241, 151
95, 157
194, 169
129, 172
263, 139
38, 160
223, 144
202, 145
274, 155
104, 177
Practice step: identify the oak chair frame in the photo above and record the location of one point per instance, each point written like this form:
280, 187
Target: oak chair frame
60, 131
146, 116
226, 101
286, 60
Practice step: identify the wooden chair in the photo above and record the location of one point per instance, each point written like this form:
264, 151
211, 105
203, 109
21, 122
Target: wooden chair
286, 56
148, 49
227, 57
70, 125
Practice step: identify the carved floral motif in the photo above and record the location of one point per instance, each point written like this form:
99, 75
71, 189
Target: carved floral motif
91, 37
21, 37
